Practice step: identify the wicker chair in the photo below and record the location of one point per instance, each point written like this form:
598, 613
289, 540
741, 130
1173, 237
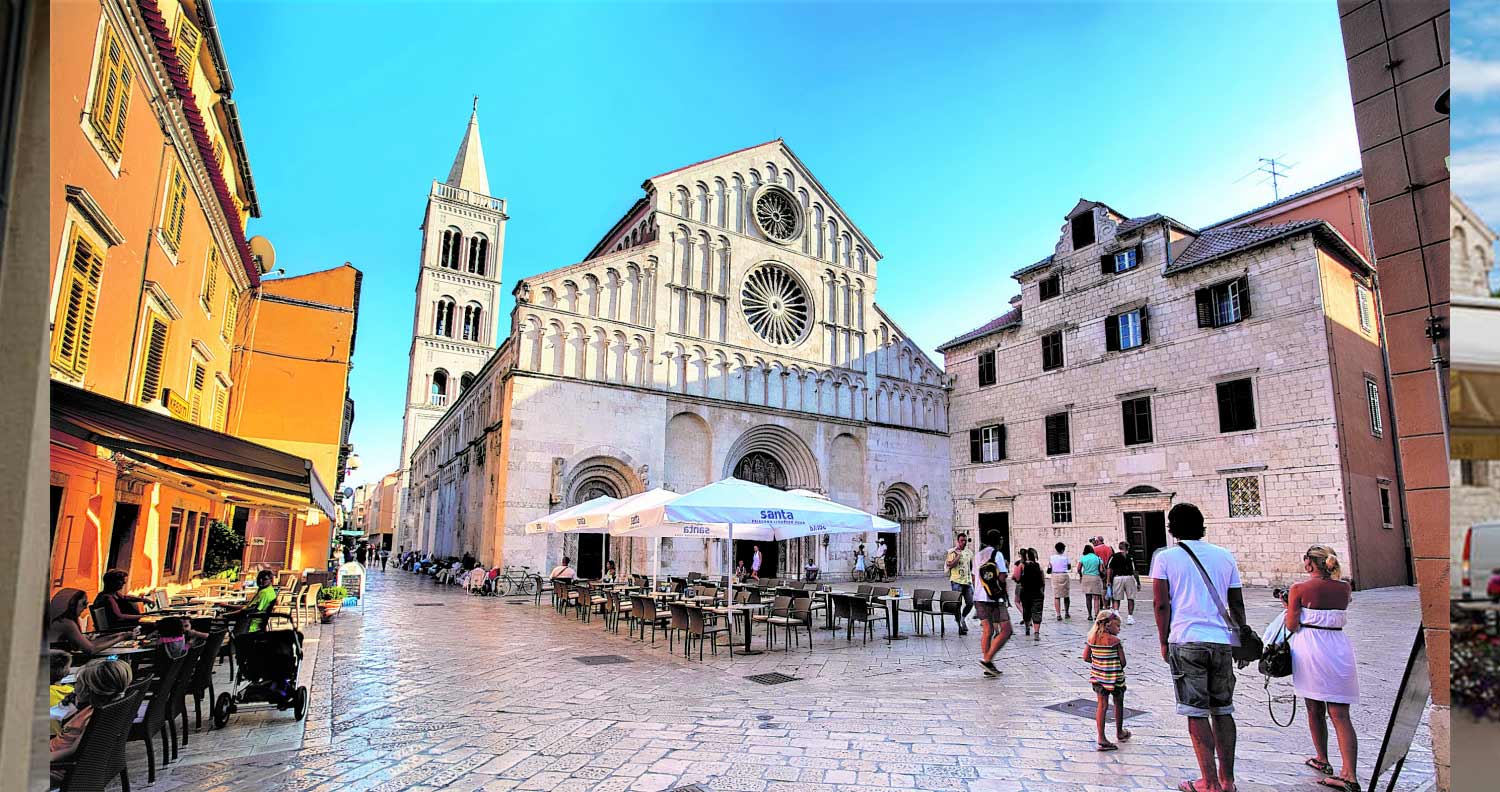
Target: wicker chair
702, 625
100, 756
202, 683
678, 623
860, 610
921, 606
650, 616
152, 721
798, 617
177, 704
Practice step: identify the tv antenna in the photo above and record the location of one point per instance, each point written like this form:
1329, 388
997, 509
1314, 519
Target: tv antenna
1275, 169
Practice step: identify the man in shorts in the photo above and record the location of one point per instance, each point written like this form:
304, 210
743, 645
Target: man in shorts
990, 606
961, 578
1196, 642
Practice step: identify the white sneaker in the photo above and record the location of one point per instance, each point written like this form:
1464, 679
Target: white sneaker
1130, 620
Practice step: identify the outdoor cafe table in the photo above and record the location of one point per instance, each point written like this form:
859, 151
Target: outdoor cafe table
224, 600
893, 631
743, 609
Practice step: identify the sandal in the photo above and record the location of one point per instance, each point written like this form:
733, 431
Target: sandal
1346, 784
1107, 746
1123, 735
1320, 766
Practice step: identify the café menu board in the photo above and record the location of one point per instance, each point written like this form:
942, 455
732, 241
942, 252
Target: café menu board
352, 578
1406, 714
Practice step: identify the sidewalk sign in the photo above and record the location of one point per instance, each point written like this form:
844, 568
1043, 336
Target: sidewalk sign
352, 577
1406, 714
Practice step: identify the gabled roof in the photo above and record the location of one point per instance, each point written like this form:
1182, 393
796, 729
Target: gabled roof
1135, 223
1220, 243
468, 171
719, 157
1010, 318
1338, 180
1030, 268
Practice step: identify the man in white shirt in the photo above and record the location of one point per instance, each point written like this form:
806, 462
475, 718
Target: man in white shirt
563, 571
1196, 641
990, 604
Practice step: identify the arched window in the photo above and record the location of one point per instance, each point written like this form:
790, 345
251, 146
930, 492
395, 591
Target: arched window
439, 388
473, 324
479, 251
448, 253
442, 323
464, 381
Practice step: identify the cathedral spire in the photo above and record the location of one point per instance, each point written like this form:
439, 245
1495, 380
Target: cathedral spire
468, 167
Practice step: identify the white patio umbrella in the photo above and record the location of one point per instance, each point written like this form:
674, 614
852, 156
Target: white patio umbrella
754, 511
557, 520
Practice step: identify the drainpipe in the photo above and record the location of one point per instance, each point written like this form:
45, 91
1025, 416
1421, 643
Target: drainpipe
1385, 361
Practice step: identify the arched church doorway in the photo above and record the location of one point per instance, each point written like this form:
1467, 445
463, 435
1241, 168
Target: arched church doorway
594, 478
760, 468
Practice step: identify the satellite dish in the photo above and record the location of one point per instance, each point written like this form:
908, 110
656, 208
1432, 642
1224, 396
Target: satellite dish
263, 253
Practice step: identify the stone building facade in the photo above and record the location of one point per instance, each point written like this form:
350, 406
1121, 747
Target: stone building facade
1475, 493
725, 326
1473, 251
454, 322
1147, 363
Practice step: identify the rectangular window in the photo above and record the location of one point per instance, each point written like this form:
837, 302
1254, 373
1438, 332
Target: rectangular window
1057, 434
1224, 303
1083, 230
1385, 506
231, 313
1127, 330
73, 326
1372, 395
1366, 314
1049, 287
202, 544
1052, 351
174, 211
174, 537
987, 444
111, 101
153, 358
986, 368
195, 392
1062, 507
1236, 406
1244, 496
1137, 417
1466, 472
187, 41
1120, 261
210, 279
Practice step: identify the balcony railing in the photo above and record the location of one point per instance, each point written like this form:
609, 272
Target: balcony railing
459, 195
439, 400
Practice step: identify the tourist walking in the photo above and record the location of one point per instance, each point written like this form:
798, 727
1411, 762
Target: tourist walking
1091, 580
1059, 565
1102, 549
860, 571
1105, 654
385, 555
1014, 574
877, 559
1323, 670
755, 563
961, 578
1031, 592
1124, 583
1190, 581
989, 602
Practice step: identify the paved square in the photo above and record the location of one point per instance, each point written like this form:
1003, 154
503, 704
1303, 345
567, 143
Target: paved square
479, 696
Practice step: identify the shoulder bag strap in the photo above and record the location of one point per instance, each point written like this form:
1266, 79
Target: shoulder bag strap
1234, 628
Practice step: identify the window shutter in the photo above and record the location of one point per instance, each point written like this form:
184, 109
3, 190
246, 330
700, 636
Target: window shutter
1145, 325
200, 378
231, 314
221, 407
1112, 333
1107, 265
976, 445
155, 358
116, 132
188, 39
1205, 300
1245, 297
1002, 440
1138, 260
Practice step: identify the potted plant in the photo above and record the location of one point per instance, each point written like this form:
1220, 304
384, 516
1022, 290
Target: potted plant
330, 599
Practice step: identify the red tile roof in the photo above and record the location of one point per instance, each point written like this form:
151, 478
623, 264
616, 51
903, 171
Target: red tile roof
1007, 319
168, 53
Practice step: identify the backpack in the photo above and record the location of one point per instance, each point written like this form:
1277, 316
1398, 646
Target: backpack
991, 577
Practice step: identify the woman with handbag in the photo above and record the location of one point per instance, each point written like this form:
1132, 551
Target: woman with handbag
1323, 670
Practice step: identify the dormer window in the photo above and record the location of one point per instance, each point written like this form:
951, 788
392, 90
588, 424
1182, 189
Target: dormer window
1122, 261
1083, 230
1050, 286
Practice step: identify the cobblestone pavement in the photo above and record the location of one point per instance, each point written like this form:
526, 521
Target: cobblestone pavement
436, 689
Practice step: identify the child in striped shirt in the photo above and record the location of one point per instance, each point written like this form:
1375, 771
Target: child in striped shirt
1105, 654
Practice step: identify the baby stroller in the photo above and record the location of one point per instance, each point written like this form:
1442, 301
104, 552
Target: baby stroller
267, 672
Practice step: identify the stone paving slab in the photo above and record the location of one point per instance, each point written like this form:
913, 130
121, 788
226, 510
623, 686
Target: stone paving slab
475, 695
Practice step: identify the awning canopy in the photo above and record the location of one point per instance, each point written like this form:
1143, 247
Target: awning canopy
177, 452
1476, 333
1474, 379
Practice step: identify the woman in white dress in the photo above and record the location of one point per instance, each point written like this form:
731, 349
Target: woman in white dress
1323, 670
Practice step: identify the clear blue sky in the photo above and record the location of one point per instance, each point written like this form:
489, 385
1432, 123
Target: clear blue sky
956, 137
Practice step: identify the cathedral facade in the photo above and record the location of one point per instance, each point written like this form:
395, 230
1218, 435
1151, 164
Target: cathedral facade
726, 325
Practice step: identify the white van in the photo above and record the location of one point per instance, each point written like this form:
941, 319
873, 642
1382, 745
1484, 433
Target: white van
1481, 555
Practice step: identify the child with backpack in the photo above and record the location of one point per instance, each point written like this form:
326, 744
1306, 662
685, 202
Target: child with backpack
1105, 654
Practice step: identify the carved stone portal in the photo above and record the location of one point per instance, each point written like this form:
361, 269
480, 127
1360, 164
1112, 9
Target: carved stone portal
556, 495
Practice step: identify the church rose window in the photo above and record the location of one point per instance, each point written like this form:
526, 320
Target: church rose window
775, 304
777, 214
